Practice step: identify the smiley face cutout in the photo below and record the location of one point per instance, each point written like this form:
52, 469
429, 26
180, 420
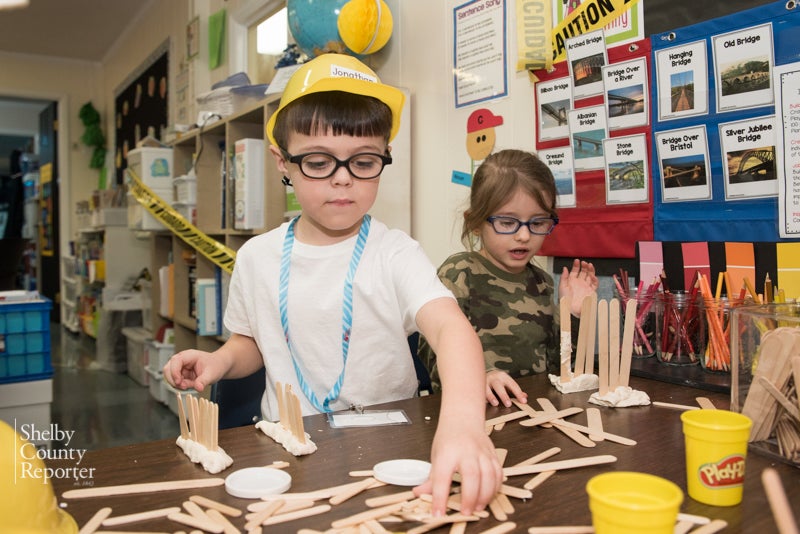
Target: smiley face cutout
481, 134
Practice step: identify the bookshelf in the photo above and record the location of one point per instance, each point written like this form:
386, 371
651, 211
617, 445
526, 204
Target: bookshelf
212, 148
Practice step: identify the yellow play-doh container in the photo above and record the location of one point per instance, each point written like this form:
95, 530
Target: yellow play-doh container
716, 448
626, 502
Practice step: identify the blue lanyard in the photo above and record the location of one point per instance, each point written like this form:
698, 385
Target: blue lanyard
347, 310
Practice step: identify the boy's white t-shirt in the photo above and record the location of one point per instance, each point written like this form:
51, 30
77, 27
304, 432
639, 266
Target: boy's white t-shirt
393, 281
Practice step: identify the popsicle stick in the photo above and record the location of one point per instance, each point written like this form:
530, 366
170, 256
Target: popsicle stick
255, 519
298, 419
383, 500
287, 506
781, 510
602, 340
517, 493
95, 521
375, 513
325, 493
147, 487
566, 340
613, 344
595, 423
694, 519
538, 480
491, 423
714, 526
297, 514
192, 521
705, 403
193, 417
574, 529
607, 435
552, 451
220, 507
458, 528
497, 510
182, 417
342, 496
591, 337
362, 473
548, 417
501, 454
627, 344
780, 397
796, 374
140, 516
574, 435
227, 526
501, 529
583, 334
195, 511
682, 527
674, 406
557, 466
281, 405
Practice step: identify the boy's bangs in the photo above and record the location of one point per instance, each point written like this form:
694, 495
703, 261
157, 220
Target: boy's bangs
340, 114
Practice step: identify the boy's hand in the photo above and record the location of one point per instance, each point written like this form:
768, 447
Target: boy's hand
577, 284
192, 369
471, 454
498, 386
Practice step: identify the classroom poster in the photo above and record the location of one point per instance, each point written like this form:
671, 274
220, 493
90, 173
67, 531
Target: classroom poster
743, 62
479, 51
627, 175
682, 81
683, 161
560, 162
787, 150
586, 56
626, 93
588, 128
748, 150
553, 103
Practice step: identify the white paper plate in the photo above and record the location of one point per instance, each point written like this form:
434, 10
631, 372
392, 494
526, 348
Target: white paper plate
255, 482
402, 472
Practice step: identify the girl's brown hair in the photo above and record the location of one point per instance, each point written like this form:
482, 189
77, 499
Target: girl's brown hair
497, 179
340, 112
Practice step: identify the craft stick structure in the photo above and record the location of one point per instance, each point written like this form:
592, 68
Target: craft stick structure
615, 356
288, 431
199, 423
582, 378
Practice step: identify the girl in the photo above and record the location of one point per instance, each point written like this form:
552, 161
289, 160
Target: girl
508, 299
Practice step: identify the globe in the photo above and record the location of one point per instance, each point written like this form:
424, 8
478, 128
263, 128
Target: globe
313, 26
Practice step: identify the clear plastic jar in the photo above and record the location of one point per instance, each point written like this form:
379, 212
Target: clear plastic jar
680, 328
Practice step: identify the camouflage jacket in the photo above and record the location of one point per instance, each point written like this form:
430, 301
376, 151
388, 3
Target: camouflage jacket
513, 314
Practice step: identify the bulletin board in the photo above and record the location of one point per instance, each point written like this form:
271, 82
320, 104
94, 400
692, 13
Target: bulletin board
713, 131
593, 131
140, 107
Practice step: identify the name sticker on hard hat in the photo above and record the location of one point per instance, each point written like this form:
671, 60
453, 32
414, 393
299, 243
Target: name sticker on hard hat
338, 71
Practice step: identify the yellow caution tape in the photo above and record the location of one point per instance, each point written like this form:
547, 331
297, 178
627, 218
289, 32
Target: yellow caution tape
222, 256
591, 15
534, 22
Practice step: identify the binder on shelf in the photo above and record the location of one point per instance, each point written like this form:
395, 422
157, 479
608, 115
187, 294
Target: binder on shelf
249, 180
207, 307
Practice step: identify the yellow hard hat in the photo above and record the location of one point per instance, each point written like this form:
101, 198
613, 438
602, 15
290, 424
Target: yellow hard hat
28, 505
339, 72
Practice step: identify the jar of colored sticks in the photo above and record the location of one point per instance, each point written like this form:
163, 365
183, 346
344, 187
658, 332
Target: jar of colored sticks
717, 312
646, 301
680, 328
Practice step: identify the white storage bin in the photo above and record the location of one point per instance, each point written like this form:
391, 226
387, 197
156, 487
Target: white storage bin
137, 357
189, 211
157, 389
152, 165
27, 403
158, 354
141, 219
186, 189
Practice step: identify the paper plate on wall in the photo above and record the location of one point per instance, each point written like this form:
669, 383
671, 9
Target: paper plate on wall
255, 482
402, 472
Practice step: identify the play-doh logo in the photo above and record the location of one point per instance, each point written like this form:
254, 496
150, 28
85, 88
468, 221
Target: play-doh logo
726, 473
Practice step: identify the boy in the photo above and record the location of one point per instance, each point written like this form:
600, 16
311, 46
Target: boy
325, 302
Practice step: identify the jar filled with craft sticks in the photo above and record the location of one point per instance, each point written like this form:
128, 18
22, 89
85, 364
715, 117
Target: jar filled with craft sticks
765, 376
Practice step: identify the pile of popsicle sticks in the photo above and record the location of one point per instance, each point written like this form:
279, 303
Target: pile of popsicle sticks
773, 402
549, 417
289, 430
199, 423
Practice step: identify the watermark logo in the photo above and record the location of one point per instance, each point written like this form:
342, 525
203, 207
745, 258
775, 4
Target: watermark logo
41, 463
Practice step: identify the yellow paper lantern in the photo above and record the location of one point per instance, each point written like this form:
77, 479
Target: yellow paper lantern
365, 25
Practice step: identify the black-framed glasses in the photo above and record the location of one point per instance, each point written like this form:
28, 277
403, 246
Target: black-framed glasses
510, 225
321, 165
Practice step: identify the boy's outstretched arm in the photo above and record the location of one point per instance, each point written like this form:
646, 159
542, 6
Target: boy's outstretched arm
192, 368
460, 444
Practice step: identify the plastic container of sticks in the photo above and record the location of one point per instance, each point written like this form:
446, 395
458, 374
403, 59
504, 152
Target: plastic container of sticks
680, 328
765, 376
647, 301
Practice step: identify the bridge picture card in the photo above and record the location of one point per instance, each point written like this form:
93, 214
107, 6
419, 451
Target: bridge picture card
586, 56
560, 162
743, 62
627, 94
682, 81
587, 129
683, 164
553, 102
627, 170
748, 148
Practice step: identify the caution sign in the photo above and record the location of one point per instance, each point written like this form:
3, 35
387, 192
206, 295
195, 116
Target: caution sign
534, 22
219, 254
591, 15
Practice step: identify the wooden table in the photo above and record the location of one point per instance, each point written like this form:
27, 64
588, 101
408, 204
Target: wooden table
561, 500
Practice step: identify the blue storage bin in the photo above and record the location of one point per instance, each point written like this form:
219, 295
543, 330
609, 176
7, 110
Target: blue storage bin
25, 340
